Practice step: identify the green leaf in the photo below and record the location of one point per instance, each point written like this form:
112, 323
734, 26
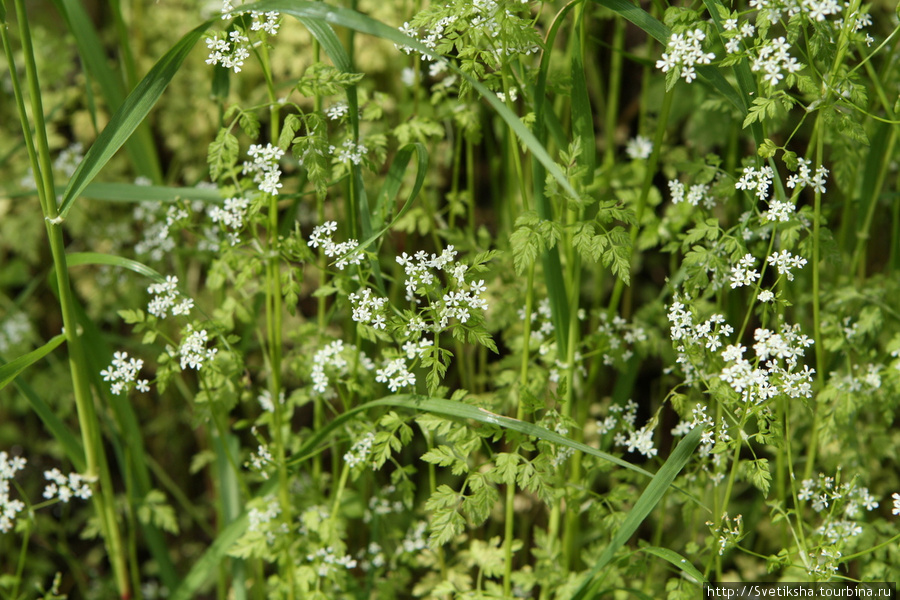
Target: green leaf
651, 496
444, 456
12, 369
130, 192
677, 560
127, 118
222, 155
97, 258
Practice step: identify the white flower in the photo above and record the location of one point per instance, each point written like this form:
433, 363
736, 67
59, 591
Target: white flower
683, 52
65, 488
193, 350
639, 148
122, 372
896, 509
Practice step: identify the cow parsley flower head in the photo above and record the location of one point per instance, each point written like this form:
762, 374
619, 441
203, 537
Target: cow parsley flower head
264, 167
344, 252
683, 52
123, 372
9, 508
193, 351
230, 50
166, 297
65, 488
639, 148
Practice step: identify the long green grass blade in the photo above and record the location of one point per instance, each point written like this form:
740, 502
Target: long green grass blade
140, 147
456, 410
203, 569
97, 258
676, 560
130, 192
654, 28
642, 508
132, 112
70, 443
12, 369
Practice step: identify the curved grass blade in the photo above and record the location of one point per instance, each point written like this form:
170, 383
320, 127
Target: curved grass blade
129, 192
70, 443
8, 373
132, 112
204, 568
13, 368
656, 29
91, 49
457, 410
676, 560
652, 494
96, 258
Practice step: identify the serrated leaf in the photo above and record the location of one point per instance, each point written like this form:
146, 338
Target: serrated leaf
223, 154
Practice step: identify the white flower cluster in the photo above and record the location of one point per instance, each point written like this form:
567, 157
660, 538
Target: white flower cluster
264, 168
841, 503
69, 159
368, 308
756, 181
360, 450
122, 372
453, 304
334, 357
166, 297
896, 508
632, 439
193, 350
683, 52
736, 34
65, 488
730, 532
621, 336
265, 520
9, 508
684, 331
14, 330
803, 176
266, 402
260, 460
230, 50
350, 152
270, 25
745, 272
639, 148
856, 382
785, 261
396, 374
231, 216
779, 210
769, 378
697, 193
337, 110
157, 242
321, 236
772, 58
381, 505
541, 326
330, 561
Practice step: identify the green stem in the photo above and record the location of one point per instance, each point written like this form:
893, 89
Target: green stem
39, 153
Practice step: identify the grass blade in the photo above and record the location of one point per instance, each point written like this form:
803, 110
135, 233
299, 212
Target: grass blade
70, 443
642, 508
90, 48
678, 561
12, 369
132, 112
129, 192
96, 258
